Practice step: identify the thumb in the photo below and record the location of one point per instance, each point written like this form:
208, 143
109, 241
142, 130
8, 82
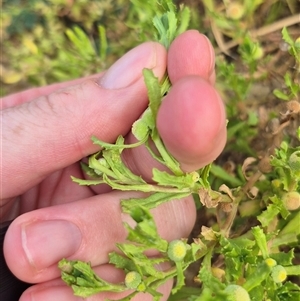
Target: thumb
54, 131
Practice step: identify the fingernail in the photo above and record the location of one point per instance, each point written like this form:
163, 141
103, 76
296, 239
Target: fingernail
46, 242
129, 67
212, 55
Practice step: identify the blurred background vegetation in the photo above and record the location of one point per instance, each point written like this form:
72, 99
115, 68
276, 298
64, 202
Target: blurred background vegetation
45, 41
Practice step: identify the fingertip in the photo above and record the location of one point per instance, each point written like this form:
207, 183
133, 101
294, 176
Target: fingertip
15, 257
192, 122
191, 53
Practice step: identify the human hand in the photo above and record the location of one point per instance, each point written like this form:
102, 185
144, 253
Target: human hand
47, 131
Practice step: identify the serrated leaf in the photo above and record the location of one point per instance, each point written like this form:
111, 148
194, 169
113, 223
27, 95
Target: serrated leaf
267, 216
284, 259
152, 201
237, 246
172, 25
153, 89
181, 182
121, 262
185, 16
83, 280
261, 241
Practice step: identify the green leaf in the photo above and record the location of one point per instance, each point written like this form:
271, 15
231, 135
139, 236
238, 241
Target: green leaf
257, 276
185, 16
293, 270
119, 145
81, 42
184, 293
165, 179
267, 216
121, 262
83, 279
152, 201
153, 89
142, 127
87, 182
103, 42
220, 173
286, 37
261, 241
284, 259
166, 26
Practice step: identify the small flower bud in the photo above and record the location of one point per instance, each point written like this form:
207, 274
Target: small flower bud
276, 183
133, 280
176, 250
271, 262
195, 176
294, 161
279, 274
218, 273
291, 200
235, 11
237, 293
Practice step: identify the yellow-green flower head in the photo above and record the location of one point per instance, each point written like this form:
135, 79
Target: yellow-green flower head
291, 200
176, 250
279, 274
235, 11
133, 280
237, 293
271, 262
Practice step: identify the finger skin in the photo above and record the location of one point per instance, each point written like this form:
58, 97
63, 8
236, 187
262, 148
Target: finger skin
191, 53
100, 222
191, 119
191, 122
30, 94
54, 131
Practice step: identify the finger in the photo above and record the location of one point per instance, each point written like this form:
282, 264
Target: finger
191, 53
87, 230
30, 94
191, 120
192, 123
57, 289
54, 131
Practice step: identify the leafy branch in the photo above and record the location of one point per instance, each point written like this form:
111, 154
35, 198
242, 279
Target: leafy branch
245, 264
106, 166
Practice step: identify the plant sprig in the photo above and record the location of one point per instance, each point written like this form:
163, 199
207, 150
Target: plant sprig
132, 259
106, 166
247, 263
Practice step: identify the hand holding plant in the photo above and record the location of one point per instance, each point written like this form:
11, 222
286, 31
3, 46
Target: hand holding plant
66, 220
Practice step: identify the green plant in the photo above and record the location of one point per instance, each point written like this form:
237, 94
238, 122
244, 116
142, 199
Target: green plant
250, 261
248, 236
